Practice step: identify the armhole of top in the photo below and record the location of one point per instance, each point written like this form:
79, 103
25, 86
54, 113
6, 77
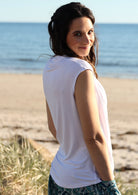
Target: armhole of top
77, 75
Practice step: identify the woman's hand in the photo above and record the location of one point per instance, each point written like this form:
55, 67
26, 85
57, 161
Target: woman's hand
110, 187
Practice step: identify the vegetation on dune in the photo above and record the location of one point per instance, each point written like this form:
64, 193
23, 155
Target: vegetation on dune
23, 171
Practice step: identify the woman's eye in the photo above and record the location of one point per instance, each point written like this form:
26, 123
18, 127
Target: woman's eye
77, 34
91, 32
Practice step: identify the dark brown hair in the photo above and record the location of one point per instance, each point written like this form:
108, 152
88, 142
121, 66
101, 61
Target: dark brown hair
58, 28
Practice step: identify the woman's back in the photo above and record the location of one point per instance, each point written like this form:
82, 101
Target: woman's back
72, 166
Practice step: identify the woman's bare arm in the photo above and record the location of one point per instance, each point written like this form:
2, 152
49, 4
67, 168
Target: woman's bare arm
50, 121
88, 113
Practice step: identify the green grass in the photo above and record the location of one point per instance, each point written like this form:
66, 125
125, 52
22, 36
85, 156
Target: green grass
23, 171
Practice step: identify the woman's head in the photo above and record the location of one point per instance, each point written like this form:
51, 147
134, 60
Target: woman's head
71, 32
80, 37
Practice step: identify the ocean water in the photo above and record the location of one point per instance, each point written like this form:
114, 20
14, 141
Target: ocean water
24, 48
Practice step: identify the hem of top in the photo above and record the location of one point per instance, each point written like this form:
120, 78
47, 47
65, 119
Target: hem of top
76, 186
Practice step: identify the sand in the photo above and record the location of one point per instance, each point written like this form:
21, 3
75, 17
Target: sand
22, 111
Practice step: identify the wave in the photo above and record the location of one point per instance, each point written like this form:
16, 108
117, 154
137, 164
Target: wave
106, 63
38, 59
25, 59
29, 59
119, 64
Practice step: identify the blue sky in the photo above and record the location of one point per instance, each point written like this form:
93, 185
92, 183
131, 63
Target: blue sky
105, 11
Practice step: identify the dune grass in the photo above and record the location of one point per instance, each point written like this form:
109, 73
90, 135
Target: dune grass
23, 171
126, 189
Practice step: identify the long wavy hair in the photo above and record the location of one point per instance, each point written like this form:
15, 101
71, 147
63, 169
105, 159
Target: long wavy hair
58, 29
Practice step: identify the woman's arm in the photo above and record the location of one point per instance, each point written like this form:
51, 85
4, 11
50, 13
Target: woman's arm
88, 113
50, 121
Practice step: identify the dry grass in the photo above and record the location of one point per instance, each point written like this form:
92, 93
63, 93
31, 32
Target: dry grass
126, 189
23, 171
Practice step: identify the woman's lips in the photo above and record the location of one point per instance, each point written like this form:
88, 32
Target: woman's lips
84, 47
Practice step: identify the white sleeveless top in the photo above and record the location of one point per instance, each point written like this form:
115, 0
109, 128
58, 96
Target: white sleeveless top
72, 166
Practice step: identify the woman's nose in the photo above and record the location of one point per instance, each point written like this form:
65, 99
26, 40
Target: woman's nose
86, 39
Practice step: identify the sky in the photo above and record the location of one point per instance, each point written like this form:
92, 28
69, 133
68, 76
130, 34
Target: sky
105, 11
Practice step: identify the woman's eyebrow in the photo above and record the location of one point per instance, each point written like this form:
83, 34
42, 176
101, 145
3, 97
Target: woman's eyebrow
92, 28
78, 31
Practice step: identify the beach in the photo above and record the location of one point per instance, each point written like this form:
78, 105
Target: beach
22, 111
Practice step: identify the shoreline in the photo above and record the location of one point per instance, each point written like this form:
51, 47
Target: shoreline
41, 72
22, 105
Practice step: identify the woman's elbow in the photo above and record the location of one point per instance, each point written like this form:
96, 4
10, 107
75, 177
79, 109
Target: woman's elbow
94, 140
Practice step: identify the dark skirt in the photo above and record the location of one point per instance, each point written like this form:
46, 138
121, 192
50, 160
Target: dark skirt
102, 188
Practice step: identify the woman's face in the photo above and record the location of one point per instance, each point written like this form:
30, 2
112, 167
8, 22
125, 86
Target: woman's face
80, 37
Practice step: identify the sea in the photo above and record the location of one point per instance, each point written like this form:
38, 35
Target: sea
24, 49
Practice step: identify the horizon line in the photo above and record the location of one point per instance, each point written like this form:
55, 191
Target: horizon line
30, 22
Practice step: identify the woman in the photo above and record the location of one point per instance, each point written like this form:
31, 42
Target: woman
77, 107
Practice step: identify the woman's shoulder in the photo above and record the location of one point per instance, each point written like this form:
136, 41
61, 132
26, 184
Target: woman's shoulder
67, 64
75, 62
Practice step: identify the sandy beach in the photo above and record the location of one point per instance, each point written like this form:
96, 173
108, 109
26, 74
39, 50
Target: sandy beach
22, 111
